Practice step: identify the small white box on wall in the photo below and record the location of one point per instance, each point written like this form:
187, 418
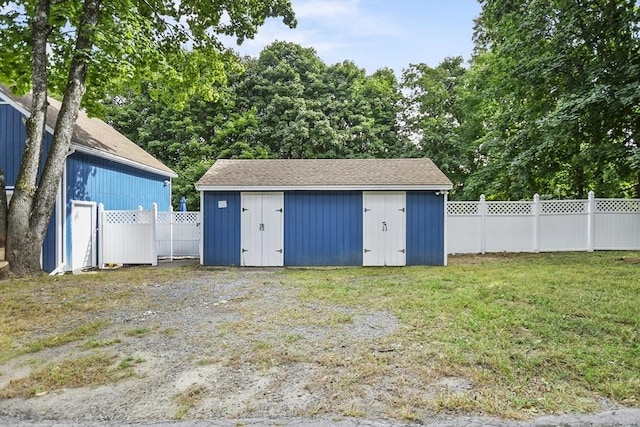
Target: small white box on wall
222, 204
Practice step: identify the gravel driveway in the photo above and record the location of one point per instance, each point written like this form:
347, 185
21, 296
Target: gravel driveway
221, 345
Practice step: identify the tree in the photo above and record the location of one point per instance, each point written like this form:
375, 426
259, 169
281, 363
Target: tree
565, 82
284, 85
438, 110
89, 46
189, 139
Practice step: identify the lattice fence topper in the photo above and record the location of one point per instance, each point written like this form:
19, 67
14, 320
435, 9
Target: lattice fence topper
556, 207
128, 217
186, 217
509, 208
164, 217
462, 208
179, 217
617, 206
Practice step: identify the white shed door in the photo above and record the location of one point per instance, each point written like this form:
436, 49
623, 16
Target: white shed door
262, 229
384, 228
83, 235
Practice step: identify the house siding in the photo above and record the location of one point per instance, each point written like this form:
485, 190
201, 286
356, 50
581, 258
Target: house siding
221, 228
117, 186
425, 228
323, 228
13, 135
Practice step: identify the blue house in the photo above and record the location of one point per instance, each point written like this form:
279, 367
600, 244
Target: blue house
103, 166
321, 212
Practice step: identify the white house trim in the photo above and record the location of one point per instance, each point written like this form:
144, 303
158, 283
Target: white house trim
326, 188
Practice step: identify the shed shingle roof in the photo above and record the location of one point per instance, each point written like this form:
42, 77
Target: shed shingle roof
352, 173
94, 134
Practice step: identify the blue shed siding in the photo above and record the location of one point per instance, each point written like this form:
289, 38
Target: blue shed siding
117, 186
12, 139
323, 228
425, 228
221, 228
49, 246
13, 134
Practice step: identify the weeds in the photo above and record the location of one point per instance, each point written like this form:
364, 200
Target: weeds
93, 370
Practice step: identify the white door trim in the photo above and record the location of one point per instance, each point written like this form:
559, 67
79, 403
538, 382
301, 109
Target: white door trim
92, 261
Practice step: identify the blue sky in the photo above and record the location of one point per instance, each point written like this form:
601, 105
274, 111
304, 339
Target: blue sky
376, 33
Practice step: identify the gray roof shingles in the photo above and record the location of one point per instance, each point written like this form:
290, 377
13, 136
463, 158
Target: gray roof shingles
324, 173
97, 135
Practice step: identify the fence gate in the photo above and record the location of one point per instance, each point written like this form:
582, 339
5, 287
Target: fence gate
178, 234
127, 237
83, 234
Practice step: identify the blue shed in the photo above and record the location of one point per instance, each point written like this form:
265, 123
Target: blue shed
322, 212
103, 166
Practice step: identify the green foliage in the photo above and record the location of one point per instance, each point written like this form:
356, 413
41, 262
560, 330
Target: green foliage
439, 116
286, 104
135, 42
561, 98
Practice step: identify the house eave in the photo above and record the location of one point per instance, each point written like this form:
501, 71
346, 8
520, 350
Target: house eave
98, 153
427, 187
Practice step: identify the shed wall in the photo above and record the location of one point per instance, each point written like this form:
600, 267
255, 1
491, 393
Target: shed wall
221, 228
13, 136
323, 228
117, 186
425, 228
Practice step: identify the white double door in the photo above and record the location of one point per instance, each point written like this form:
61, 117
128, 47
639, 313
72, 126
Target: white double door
384, 228
262, 229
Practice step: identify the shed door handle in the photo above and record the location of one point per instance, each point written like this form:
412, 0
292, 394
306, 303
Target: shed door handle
384, 225
261, 227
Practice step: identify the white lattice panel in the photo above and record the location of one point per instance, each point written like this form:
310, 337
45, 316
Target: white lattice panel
617, 206
164, 217
462, 208
186, 217
509, 208
559, 207
128, 217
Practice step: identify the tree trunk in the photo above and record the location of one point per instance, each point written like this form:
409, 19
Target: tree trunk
29, 219
21, 244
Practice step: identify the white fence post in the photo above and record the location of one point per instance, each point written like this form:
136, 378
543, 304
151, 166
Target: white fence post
591, 210
171, 221
100, 235
482, 209
154, 232
536, 223
446, 201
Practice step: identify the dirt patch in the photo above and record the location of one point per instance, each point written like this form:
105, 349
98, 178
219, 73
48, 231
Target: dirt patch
222, 344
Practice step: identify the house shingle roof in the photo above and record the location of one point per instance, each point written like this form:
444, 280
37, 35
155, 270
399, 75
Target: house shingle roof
352, 173
94, 134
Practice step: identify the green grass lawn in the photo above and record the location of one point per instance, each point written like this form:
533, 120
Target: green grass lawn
534, 332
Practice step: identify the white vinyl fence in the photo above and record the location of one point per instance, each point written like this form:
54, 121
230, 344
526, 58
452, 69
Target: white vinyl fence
178, 234
543, 225
142, 236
